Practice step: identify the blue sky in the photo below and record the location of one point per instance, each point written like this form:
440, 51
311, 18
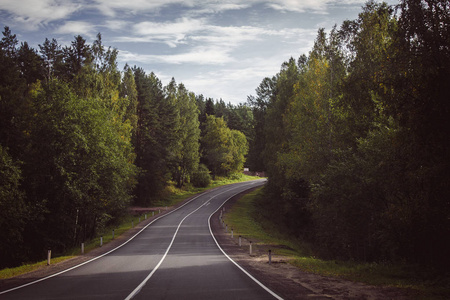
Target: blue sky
221, 49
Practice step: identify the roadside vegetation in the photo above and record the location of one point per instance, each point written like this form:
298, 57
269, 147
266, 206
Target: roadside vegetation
173, 196
354, 138
81, 141
250, 220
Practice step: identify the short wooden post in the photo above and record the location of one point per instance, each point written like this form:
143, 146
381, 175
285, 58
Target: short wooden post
250, 247
49, 256
145, 216
113, 234
101, 241
240, 244
82, 248
231, 232
226, 227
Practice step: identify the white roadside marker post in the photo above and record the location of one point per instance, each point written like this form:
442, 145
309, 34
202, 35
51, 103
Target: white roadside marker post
49, 256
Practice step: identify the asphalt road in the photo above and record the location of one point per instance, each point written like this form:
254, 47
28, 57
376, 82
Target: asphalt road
175, 257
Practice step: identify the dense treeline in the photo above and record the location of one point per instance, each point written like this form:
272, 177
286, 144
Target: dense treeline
355, 137
80, 141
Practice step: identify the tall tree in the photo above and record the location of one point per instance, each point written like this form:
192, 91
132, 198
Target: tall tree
225, 149
13, 211
188, 136
79, 166
30, 64
12, 91
52, 55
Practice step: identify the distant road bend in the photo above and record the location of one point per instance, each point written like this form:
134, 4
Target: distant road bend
174, 257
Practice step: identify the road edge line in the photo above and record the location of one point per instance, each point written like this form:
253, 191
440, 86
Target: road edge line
144, 282
104, 254
226, 255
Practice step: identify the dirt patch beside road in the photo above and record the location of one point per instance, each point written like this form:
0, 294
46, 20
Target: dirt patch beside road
290, 282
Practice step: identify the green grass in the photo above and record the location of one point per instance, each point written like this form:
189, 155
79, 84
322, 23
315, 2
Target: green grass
171, 197
11, 272
242, 218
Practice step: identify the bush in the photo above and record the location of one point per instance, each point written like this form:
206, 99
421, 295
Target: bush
236, 176
201, 177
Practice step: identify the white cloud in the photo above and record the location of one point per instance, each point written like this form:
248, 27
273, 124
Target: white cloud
230, 84
171, 33
30, 14
197, 55
110, 7
199, 31
77, 28
299, 6
116, 25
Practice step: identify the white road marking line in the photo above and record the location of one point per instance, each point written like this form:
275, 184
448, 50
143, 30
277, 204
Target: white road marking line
95, 258
141, 285
110, 251
242, 269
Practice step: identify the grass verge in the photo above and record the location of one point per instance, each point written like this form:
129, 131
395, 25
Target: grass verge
243, 219
171, 197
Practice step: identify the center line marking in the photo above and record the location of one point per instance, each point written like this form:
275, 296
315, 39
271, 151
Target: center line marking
141, 285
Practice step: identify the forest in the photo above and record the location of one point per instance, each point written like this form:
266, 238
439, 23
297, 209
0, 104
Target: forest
81, 141
353, 136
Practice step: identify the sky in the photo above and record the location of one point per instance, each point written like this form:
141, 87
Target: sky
222, 49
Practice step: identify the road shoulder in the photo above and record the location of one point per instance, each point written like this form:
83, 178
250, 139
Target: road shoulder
288, 281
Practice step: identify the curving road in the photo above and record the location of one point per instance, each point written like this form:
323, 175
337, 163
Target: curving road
174, 257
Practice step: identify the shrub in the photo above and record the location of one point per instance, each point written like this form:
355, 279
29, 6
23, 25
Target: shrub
201, 177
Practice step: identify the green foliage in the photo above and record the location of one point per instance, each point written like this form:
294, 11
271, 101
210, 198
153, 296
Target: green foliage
80, 166
201, 177
152, 137
186, 153
13, 210
80, 140
224, 149
356, 137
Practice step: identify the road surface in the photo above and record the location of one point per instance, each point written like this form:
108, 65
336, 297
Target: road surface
174, 257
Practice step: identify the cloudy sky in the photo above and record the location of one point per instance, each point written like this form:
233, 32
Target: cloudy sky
218, 48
